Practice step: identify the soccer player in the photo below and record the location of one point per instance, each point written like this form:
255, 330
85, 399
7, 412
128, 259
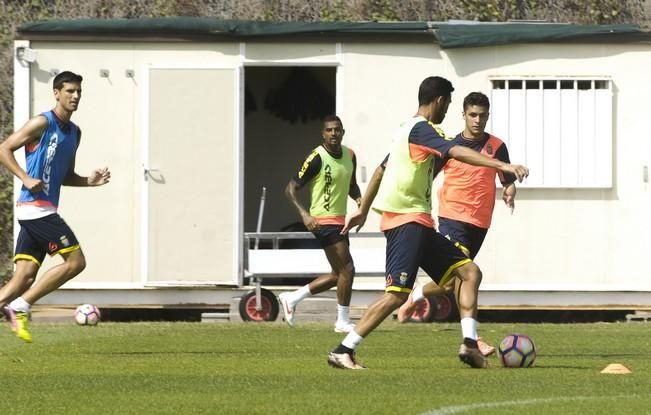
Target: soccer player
50, 141
403, 185
329, 171
467, 197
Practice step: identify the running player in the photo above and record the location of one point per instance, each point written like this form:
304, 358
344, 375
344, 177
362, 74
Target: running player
467, 197
404, 200
50, 141
330, 172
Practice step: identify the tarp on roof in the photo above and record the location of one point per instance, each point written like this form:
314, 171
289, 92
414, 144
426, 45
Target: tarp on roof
210, 26
449, 35
491, 34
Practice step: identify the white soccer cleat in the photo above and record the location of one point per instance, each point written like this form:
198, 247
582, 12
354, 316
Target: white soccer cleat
343, 361
344, 327
288, 310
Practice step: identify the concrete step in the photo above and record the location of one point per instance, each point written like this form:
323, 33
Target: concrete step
215, 317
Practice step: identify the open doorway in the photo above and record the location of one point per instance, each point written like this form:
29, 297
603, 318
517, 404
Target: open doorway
284, 106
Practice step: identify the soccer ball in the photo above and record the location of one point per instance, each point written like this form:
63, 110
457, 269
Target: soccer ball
87, 315
517, 350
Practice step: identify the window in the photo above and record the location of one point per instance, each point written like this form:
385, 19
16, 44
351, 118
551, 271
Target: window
560, 128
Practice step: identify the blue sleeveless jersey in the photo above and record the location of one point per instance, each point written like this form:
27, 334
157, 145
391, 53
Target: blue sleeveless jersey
49, 161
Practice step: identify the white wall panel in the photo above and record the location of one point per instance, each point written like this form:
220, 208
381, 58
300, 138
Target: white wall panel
586, 133
535, 122
552, 148
569, 137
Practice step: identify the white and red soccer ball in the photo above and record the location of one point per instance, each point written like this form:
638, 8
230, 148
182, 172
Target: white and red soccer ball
517, 350
87, 315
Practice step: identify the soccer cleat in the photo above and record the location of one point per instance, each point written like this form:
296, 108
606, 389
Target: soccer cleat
407, 309
288, 311
472, 357
344, 327
343, 361
485, 348
19, 324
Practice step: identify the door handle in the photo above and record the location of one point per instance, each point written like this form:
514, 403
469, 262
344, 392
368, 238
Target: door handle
148, 172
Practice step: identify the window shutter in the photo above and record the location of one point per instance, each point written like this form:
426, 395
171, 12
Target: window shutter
561, 128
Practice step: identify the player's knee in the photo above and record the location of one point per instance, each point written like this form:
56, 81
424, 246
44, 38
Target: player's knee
470, 272
346, 272
349, 270
76, 264
396, 299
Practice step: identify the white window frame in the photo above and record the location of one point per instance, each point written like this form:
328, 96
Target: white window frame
562, 132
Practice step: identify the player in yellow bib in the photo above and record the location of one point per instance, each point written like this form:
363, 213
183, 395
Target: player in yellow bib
329, 171
403, 186
467, 198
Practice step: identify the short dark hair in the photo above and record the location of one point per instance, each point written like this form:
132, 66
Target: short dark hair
432, 87
66, 76
476, 98
330, 118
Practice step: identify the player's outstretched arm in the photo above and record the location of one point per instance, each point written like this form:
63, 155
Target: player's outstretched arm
469, 156
359, 218
97, 177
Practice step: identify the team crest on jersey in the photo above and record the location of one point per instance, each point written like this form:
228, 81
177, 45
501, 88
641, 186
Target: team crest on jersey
489, 149
403, 278
64, 240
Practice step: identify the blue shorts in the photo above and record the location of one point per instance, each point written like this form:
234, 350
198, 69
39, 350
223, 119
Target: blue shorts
466, 236
413, 245
46, 235
329, 235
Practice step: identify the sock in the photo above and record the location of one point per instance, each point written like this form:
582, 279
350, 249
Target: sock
470, 343
343, 314
19, 304
417, 293
299, 295
469, 328
343, 349
352, 340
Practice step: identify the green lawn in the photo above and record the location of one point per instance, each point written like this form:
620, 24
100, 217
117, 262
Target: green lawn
224, 368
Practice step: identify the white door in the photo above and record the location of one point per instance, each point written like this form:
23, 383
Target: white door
192, 177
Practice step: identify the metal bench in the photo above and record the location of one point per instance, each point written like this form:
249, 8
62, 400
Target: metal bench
261, 304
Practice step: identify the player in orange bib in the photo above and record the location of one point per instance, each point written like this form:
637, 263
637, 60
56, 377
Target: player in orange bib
467, 197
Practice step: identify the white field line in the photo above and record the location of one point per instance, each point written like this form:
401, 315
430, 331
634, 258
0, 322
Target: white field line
458, 409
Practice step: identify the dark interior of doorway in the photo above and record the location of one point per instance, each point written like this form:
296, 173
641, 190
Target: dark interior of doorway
284, 108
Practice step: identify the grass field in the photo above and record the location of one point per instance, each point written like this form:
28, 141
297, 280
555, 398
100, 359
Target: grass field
231, 368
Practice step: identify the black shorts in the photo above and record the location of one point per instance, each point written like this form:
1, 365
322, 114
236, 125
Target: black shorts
329, 235
47, 235
413, 245
468, 237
